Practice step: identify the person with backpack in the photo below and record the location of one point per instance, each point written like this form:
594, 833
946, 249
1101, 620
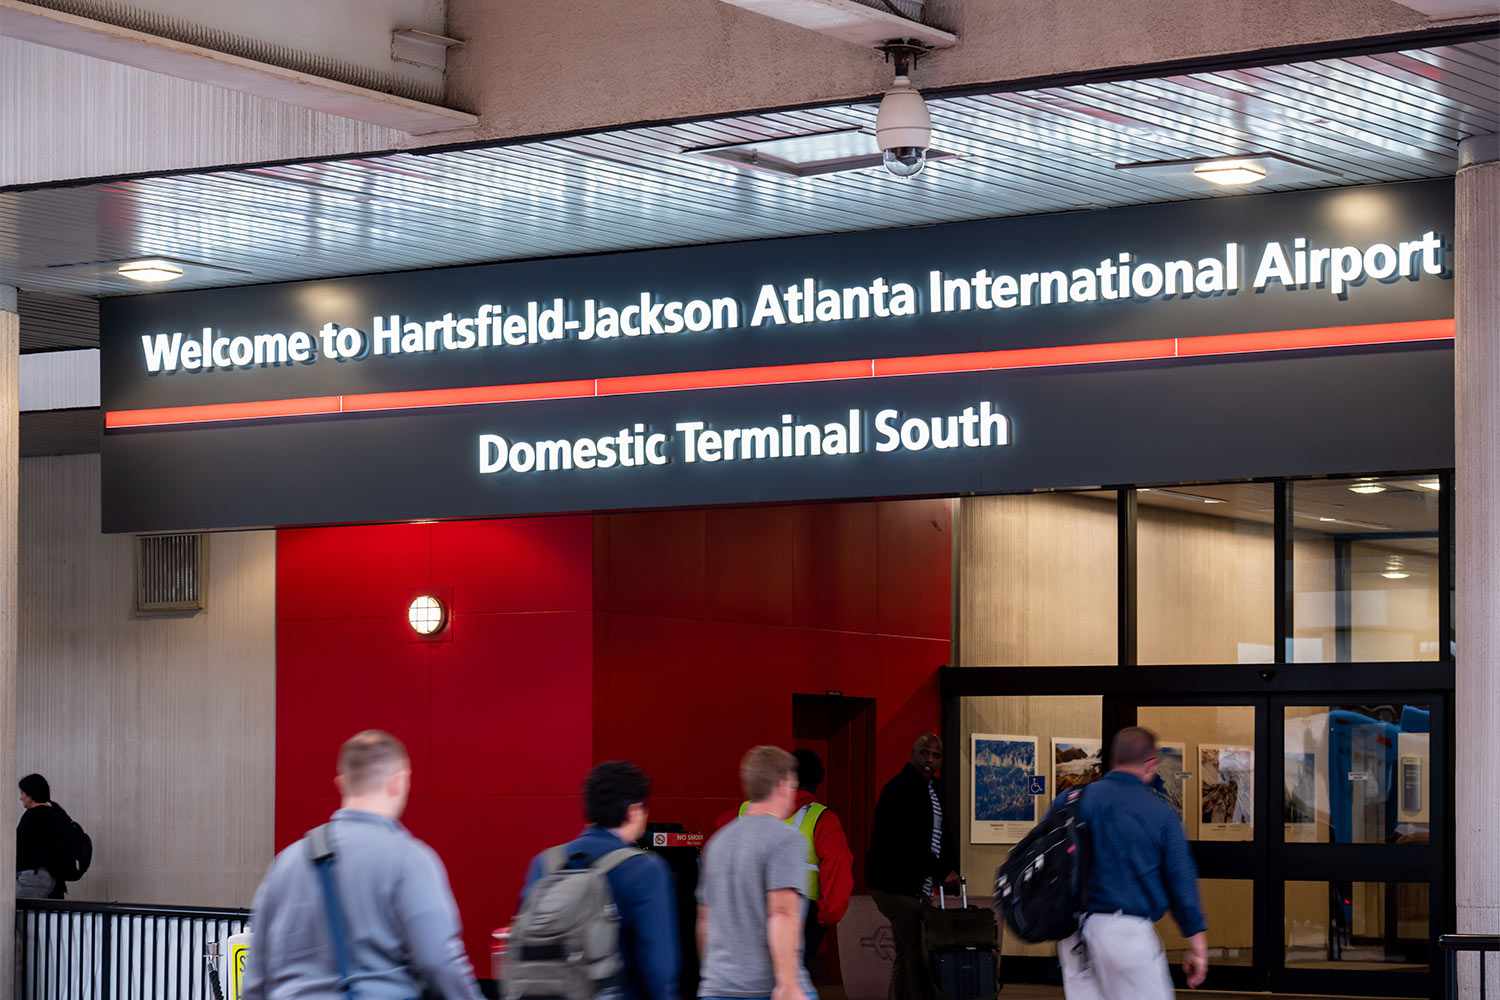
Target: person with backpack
752, 889
599, 897
1135, 866
51, 848
359, 908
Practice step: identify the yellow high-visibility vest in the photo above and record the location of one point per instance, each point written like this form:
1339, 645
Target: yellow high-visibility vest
805, 820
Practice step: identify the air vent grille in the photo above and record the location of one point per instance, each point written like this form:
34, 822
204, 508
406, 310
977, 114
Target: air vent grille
169, 573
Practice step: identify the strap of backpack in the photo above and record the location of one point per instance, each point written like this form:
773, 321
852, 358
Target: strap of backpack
614, 859
320, 852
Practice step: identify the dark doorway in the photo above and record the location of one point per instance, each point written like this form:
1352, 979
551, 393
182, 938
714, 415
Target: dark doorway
841, 730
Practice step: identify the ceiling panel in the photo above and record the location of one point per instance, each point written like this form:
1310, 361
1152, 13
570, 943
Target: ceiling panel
1363, 119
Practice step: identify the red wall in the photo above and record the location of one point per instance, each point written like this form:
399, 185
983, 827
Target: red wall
676, 639
707, 622
496, 712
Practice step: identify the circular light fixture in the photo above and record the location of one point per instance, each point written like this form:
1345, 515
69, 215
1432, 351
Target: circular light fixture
426, 615
1367, 488
1230, 173
150, 271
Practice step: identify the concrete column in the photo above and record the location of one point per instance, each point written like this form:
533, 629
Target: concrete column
1477, 475
10, 467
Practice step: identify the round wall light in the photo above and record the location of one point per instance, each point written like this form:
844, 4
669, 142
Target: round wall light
426, 615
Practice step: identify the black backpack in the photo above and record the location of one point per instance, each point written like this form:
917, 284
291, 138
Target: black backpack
1040, 888
77, 850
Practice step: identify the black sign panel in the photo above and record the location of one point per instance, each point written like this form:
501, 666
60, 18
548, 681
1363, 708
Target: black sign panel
1171, 275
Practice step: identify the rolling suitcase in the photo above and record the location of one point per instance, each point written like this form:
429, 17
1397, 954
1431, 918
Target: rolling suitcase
962, 948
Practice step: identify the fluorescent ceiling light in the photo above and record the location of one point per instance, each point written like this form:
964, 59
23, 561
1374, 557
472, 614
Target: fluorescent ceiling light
1430, 484
1230, 173
150, 271
1367, 488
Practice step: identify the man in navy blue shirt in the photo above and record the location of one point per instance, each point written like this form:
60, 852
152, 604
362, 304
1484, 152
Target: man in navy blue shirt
1139, 868
614, 799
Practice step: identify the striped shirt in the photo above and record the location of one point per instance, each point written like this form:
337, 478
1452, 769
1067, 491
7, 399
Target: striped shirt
937, 832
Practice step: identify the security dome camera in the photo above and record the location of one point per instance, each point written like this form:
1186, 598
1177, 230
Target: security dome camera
903, 129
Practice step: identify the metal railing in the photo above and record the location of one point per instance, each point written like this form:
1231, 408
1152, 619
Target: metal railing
117, 951
1452, 944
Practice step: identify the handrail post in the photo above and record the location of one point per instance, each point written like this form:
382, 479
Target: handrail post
106, 957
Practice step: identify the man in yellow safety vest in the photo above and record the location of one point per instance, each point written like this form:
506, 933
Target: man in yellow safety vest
830, 864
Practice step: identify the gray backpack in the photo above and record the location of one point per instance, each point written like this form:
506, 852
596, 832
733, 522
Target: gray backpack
565, 942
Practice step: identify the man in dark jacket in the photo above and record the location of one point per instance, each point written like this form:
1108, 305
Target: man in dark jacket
911, 852
614, 799
41, 843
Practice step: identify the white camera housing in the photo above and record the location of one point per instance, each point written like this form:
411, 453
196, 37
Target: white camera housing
903, 129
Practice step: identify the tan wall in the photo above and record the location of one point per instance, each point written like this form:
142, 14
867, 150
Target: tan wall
158, 735
569, 64
1037, 580
1206, 588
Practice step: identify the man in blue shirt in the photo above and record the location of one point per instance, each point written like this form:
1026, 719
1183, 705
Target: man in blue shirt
1139, 867
614, 799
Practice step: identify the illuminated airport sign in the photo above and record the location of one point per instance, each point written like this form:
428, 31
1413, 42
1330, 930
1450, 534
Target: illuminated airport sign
1220, 338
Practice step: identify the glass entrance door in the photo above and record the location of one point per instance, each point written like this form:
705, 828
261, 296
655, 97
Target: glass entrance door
1311, 822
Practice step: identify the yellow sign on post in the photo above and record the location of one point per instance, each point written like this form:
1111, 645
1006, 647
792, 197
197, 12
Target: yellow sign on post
236, 958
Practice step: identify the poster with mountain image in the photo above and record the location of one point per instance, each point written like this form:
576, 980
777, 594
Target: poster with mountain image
1076, 761
1226, 792
1002, 808
1171, 767
1299, 810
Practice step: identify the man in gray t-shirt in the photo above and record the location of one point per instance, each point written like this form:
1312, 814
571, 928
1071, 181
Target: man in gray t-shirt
750, 891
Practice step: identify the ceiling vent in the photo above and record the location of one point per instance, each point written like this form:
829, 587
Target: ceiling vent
170, 574
809, 155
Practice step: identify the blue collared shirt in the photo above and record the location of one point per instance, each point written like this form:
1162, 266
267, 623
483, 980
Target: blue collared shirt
643, 895
402, 922
1139, 862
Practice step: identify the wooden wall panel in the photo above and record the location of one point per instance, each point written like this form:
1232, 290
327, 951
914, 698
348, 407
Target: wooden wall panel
158, 735
1207, 588
1037, 580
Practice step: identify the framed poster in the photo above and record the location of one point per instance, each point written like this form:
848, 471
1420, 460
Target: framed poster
1076, 761
1299, 811
1172, 769
1226, 792
1002, 807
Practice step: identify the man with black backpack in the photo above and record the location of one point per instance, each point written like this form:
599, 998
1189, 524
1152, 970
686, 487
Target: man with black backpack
51, 849
359, 908
598, 917
1106, 863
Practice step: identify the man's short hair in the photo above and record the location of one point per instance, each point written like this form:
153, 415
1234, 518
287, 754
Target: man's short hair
36, 788
1132, 747
762, 769
610, 790
809, 770
368, 758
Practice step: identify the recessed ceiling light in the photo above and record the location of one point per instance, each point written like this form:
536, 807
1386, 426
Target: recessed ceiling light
1230, 173
151, 271
1367, 488
1328, 520
1395, 574
1211, 500
1430, 484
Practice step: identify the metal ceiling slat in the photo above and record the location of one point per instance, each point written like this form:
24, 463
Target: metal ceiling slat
1380, 117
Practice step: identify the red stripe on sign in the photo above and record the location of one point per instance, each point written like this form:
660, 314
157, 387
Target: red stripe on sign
1319, 337
423, 398
269, 409
1035, 357
729, 378
1217, 345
